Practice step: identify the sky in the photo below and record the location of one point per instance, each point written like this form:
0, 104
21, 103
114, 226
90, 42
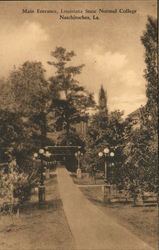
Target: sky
110, 47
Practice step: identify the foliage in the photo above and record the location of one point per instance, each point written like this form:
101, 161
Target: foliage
9, 128
98, 124
30, 94
29, 87
141, 155
23, 118
6, 97
14, 138
14, 188
116, 144
73, 138
15, 183
30, 90
149, 40
71, 108
141, 171
105, 130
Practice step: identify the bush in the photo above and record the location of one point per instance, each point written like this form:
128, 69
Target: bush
14, 187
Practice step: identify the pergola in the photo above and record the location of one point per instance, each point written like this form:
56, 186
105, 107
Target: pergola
62, 150
63, 154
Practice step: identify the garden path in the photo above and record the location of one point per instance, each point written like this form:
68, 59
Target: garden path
91, 228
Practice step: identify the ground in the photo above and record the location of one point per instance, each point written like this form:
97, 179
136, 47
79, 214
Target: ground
88, 180
36, 228
142, 221
46, 228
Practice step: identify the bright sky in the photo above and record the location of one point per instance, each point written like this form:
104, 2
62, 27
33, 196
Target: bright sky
109, 47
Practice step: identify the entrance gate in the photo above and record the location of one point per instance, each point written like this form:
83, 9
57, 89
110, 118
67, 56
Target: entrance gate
64, 155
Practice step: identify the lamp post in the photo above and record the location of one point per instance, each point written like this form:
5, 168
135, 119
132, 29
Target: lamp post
41, 188
47, 155
108, 156
78, 154
41, 153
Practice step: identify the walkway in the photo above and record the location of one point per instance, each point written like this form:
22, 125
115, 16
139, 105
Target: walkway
92, 229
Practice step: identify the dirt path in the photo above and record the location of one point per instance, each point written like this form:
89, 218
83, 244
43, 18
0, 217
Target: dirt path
92, 229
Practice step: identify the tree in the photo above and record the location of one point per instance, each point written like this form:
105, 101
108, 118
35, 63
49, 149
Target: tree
105, 129
116, 143
141, 138
15, 186
149, 40
10, 132
140, 165
30, 91
6, 97
98, 126
72, 107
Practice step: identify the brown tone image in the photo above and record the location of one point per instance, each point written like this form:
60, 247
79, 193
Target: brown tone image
78, 125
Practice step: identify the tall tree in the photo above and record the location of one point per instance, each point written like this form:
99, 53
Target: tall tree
149, 114
141, 150
30, 91
72, 107
97, 129
149, 40
140, 157
105, 130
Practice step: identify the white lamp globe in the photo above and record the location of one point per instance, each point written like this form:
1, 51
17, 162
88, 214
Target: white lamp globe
35, 155
106, 150
41, 151
47, 154
112, 154
100, 154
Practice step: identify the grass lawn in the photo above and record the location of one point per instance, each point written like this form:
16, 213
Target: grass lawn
87, 180
46, 228
142, 221
37, 228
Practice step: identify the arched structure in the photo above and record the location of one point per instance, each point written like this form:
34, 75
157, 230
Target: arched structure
64, 155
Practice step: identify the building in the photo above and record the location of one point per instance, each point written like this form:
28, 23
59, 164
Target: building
136, 117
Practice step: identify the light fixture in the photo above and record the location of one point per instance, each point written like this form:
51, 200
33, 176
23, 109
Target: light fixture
112, 154
106, 150
35, 155
100, 154
41, 151
47, 154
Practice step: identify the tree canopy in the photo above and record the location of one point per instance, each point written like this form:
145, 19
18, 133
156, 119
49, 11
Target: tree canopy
71, 104
149, 40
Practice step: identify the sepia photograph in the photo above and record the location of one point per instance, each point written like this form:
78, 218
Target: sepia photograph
79, 125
